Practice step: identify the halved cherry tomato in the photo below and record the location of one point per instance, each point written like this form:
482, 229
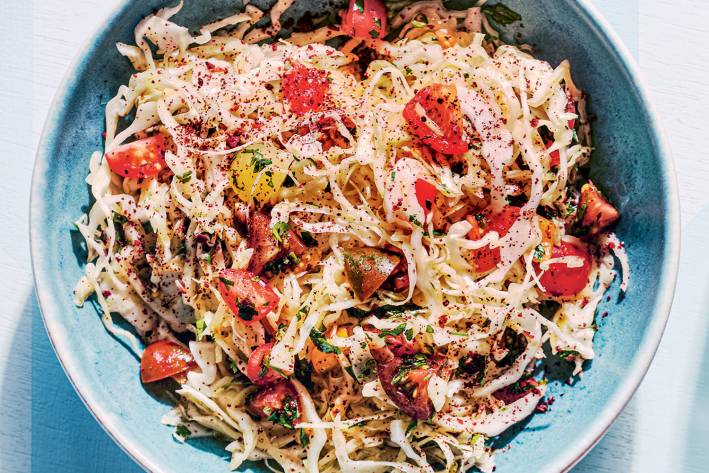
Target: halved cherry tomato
405, 381
163, 359
598, 213
367, 269
305, 88
426, 194
365, 19
142, 159
486, 258
561, 279
517, 391
256, 368
247, 295
277, 402
439, 104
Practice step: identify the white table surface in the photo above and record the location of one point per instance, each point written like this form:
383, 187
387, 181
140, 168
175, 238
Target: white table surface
44, 427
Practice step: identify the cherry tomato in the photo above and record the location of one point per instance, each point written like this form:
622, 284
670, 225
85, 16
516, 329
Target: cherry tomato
367, 269
598, 213
163, 359
426, 194
365, 19
405, 381
256, 369
438, 103
247, 295
486, 258
276, 402
142, 159
305, 88
517, 391
561, 279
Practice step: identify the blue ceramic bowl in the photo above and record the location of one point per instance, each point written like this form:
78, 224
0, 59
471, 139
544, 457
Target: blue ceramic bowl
631, 162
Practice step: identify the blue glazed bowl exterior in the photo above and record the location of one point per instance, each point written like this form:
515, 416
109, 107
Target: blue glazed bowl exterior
631, 162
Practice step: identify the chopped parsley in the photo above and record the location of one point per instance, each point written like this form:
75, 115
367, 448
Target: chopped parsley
184, 178
501, 14
394, 332
201, 326
539, 253
321, 343
308, 238
287, 415
359, 6
183, 431
374, 33
418, 24
417, 361
119, 219
226, 282
258, 161
304, 372
304, 438
246, 310
409, 334
429, 329
280, 230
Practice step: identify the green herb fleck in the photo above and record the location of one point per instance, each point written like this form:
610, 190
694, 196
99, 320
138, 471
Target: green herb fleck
246, 310
304, 439
280, 230
226, 282
308, 239
501, 14
418, 24
258, 162
539, 253
359, 6
201, 326
184, 178
321, 343
409, 334
182, 431
394, 332
374, 33
429, 329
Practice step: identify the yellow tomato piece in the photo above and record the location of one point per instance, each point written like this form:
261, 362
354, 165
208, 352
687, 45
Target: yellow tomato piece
324, 362
252, 176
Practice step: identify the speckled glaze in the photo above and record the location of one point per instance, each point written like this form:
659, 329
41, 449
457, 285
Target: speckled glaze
631, 162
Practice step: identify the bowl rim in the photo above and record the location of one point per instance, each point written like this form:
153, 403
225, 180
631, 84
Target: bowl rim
581, 445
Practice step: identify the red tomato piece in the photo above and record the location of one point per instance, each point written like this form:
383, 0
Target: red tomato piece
142, 159
365, 19
256, 369
562, 280
277, 402
426, 194
163, 359
247, 295
598, 213
487, 258
437, 103
405, 381
305, 88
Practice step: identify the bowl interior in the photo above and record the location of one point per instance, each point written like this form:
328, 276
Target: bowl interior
628, 163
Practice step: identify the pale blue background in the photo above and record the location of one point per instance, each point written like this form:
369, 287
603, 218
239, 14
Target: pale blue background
46, 428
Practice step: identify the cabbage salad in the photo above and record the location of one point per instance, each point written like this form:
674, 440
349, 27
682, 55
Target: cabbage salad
351, 249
